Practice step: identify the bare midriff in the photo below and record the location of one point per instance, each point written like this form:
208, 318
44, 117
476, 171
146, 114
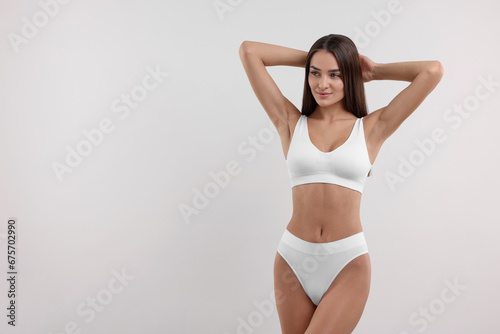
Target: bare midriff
324, 212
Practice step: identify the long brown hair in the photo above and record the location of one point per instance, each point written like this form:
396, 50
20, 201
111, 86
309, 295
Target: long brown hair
346, 53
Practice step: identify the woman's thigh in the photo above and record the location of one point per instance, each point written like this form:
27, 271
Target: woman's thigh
343, 303
295, 309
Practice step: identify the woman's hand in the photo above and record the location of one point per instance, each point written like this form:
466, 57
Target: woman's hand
367, 66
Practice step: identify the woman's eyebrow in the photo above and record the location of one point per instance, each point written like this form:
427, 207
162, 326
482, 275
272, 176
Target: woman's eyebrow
317, 69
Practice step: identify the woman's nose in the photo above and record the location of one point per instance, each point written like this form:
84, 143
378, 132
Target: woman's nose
323, 83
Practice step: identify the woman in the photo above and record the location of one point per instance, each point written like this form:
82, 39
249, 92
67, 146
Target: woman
322, 267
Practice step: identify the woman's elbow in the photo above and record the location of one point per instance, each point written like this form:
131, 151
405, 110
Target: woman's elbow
245, 47
436, 69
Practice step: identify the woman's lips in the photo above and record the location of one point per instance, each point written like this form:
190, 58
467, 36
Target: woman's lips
324, 94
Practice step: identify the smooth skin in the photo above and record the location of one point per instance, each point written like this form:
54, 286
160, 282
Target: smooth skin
325, 212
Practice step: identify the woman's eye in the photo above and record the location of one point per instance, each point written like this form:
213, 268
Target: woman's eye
333, 74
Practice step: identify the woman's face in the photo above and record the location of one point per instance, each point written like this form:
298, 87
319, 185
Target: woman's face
325, 77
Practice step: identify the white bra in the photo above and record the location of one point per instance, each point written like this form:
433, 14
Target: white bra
348, 165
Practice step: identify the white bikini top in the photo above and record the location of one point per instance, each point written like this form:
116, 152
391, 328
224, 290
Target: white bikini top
348, 165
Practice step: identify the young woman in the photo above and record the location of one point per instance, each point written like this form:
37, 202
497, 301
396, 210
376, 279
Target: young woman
322, 268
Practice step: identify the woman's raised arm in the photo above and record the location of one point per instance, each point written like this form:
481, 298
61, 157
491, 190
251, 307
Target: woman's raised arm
424, 77
255, 56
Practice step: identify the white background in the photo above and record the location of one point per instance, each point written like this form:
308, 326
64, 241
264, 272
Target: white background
211, 271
